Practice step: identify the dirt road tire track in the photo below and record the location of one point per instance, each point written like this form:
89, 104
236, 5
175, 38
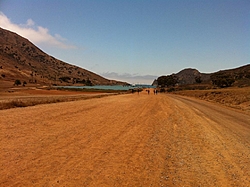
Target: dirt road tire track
125, 140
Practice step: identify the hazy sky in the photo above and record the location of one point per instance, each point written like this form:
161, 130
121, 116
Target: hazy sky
135, 40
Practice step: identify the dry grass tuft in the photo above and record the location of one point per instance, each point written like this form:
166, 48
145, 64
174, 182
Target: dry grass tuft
32, 101
233, 97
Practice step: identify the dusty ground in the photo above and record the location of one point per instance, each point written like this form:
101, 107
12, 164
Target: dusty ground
125, 140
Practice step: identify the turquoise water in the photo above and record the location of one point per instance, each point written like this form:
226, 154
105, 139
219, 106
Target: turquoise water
105, 87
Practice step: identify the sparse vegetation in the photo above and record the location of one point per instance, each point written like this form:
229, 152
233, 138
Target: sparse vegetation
65, 79
89, 83
20, 54
222, 80
17, 82
172, 89
91, 90
233, 97
25, 102
162, 90
83, 81
167, 81
198, 79
24, 83
239, 77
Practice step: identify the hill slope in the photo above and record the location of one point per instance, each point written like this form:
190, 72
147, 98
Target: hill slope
20, 59
240, 76
188, 76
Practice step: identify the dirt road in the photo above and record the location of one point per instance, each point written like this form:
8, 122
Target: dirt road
125, 140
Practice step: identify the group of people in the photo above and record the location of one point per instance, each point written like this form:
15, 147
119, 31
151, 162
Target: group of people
155, 91
148, 90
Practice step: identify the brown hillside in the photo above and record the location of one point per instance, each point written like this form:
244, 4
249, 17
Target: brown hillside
20, 59
188, 76
240, 75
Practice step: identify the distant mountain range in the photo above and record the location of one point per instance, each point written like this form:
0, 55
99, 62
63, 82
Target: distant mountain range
20, 59
240, 76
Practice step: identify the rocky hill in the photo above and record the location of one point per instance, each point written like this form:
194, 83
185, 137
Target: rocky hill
237, 77
232, 77
191, 76
22, 60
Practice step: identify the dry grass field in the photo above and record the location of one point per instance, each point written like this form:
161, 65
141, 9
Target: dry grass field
238, 98
30, 96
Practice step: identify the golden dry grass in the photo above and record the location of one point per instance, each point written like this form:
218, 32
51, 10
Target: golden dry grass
25, 102
24, 97
238, 98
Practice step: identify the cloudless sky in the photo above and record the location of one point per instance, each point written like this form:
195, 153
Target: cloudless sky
138, 40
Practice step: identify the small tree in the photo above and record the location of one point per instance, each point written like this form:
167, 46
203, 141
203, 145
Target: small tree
222, 80
24, 83
89, 83
198, 79
65, 79
170, 80
17, 82
83, 81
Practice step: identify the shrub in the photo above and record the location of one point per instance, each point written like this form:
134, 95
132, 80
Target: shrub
162, 90
17, 82
83, 81
24, 83
89, 83
65, 79
198, 79
171, 89
222, 80
170, 80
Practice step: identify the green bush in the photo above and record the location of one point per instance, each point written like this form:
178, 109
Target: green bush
170, 80
222, 80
